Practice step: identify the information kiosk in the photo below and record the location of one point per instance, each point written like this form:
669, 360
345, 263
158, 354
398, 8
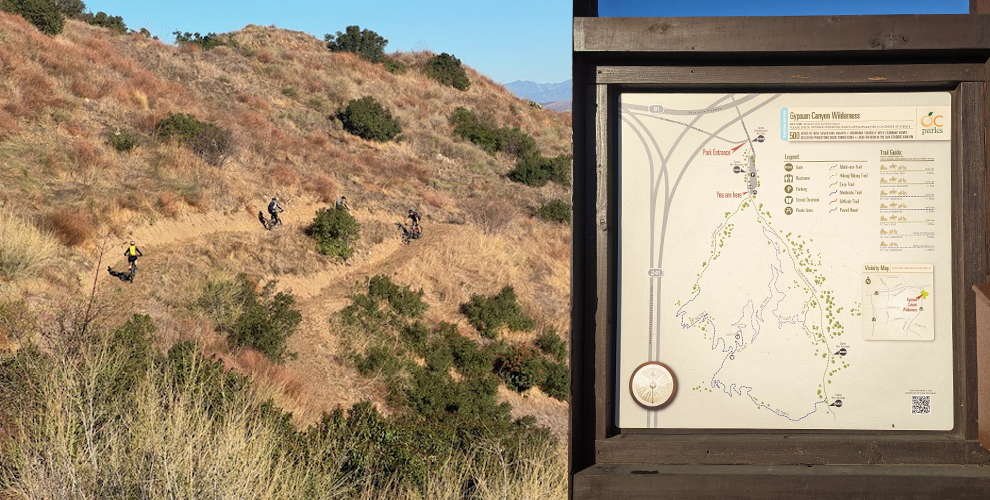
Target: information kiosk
777, 225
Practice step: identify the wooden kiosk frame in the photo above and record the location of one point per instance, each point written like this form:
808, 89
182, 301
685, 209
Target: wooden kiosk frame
771, 54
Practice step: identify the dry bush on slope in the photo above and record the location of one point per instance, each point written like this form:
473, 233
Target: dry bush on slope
24, 249
73, 227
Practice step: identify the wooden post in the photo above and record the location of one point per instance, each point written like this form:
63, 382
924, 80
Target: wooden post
983, 360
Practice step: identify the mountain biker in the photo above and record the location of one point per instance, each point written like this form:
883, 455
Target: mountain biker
342, 203
414, 217
273, 209
132, 253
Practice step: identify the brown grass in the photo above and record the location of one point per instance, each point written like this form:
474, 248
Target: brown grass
72, 227
24, 250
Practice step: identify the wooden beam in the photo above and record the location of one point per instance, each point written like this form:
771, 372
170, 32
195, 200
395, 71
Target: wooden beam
819, 449
968, 245
585, 8
873, 75
979, 6
687, 482
606, 228
798, 34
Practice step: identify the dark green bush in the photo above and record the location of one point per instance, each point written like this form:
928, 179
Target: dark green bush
480, 131
536, 170
209, 141
113, 23
123, 140
520, 366
365, 43
516, 142
551, 344
263, 322
366, 118
377, 359
415, 336
394, 66
43, 14
437, 414
205, 42
555, 211
334, 231
488, 314
447, 70
469, 359
71, 8
556, 380
403, 299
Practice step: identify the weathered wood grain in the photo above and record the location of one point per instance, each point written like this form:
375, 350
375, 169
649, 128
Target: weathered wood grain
797, 34
875, 75
686, 482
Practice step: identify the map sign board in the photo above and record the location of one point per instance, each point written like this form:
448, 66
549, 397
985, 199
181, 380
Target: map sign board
785, 261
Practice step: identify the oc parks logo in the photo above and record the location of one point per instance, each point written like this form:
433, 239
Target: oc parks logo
931, 123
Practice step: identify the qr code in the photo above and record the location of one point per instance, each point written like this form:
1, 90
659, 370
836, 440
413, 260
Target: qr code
921, 404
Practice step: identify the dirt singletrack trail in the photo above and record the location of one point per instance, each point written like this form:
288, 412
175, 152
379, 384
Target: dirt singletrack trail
198, 226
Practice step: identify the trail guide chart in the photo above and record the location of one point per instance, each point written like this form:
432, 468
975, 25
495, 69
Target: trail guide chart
785, 261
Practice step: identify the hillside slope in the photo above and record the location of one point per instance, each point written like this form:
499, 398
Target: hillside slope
276, 91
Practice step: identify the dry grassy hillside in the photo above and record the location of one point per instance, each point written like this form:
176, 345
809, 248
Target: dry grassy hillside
62, 97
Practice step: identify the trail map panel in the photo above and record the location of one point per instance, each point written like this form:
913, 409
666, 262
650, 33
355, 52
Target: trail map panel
761, 234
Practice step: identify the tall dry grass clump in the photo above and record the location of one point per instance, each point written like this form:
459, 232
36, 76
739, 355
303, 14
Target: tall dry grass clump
73, 227
102, 414
24, 249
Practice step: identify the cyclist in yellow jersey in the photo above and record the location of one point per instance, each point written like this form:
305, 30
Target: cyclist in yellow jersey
132, 253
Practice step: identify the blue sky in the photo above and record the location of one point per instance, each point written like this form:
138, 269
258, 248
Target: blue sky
507, 40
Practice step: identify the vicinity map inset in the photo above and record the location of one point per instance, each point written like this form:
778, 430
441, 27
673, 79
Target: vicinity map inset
761, 234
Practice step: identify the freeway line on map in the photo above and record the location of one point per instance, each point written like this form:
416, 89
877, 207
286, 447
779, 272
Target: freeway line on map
665, 177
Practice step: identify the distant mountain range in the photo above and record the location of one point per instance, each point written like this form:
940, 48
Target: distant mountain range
556, 96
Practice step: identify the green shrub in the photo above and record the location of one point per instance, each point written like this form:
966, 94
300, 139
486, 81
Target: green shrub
366, 118
334, 231
415, 336
437, 414
375, 360
113, 23
520, 367
480, 131
536, 170
403, 299
209, 141
556, 380
447, 70
488, 314
469, 359
555, 211
516, 142
394, 66
43, 14
551, 344
365, 43
263, 322
205, 42
123, 140
71, 8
